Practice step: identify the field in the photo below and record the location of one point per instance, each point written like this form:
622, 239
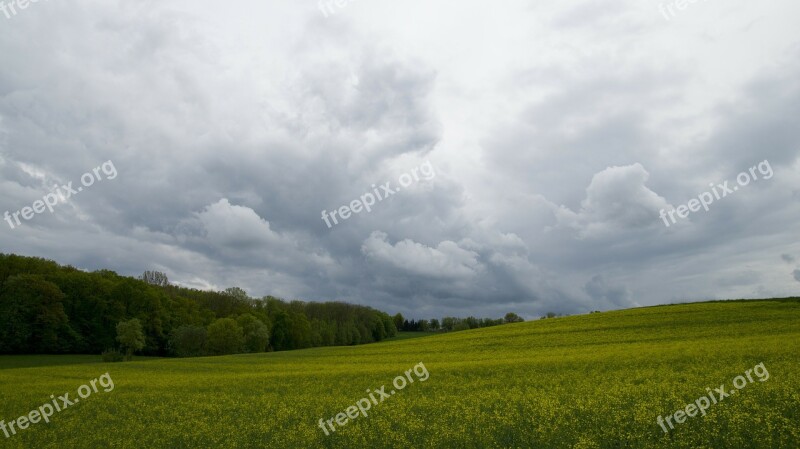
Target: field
590, 381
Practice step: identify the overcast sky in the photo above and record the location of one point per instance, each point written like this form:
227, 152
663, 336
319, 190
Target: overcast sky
557, 131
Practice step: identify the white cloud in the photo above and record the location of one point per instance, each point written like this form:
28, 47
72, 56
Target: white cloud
238, 227
617, 200
446, 260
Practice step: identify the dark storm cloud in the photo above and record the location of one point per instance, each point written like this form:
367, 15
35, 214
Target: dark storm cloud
229, 148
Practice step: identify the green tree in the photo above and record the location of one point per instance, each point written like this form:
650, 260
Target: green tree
472, 322
155, 278
388, 325
324, 331
300, 331
225, 336
281, 332
423, 325
398, 321
449, 323
256, 333
49, 308
147, 303
237, 293
32, 317
513, 318
188, 341
130, 336
291, 330
462, 326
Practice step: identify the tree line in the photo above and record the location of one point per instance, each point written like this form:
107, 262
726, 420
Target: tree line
46, 308
450, 324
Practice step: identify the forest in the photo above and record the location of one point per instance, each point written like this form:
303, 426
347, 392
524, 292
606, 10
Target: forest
47, 308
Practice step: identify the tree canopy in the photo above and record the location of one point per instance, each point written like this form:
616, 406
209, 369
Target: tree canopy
130, 336
49, 308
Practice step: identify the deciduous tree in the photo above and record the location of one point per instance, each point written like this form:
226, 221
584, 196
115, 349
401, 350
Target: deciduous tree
130, 336
225, 336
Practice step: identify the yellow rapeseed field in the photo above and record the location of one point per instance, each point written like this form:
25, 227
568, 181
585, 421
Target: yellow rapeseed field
591, 381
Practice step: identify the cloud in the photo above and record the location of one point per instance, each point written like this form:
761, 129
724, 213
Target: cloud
616, 200
446, 261
607, 294
232, 128
227, 225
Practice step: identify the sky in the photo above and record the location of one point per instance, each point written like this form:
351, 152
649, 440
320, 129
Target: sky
542, 156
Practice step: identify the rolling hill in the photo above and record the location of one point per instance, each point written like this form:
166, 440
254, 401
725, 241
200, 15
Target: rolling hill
593, 381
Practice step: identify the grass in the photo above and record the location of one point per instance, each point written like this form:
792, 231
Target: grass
590, 381
30, 361
410, 335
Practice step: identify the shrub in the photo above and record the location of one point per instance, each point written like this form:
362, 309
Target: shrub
112, 355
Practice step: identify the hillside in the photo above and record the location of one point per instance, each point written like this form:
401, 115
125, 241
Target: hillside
591, 381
